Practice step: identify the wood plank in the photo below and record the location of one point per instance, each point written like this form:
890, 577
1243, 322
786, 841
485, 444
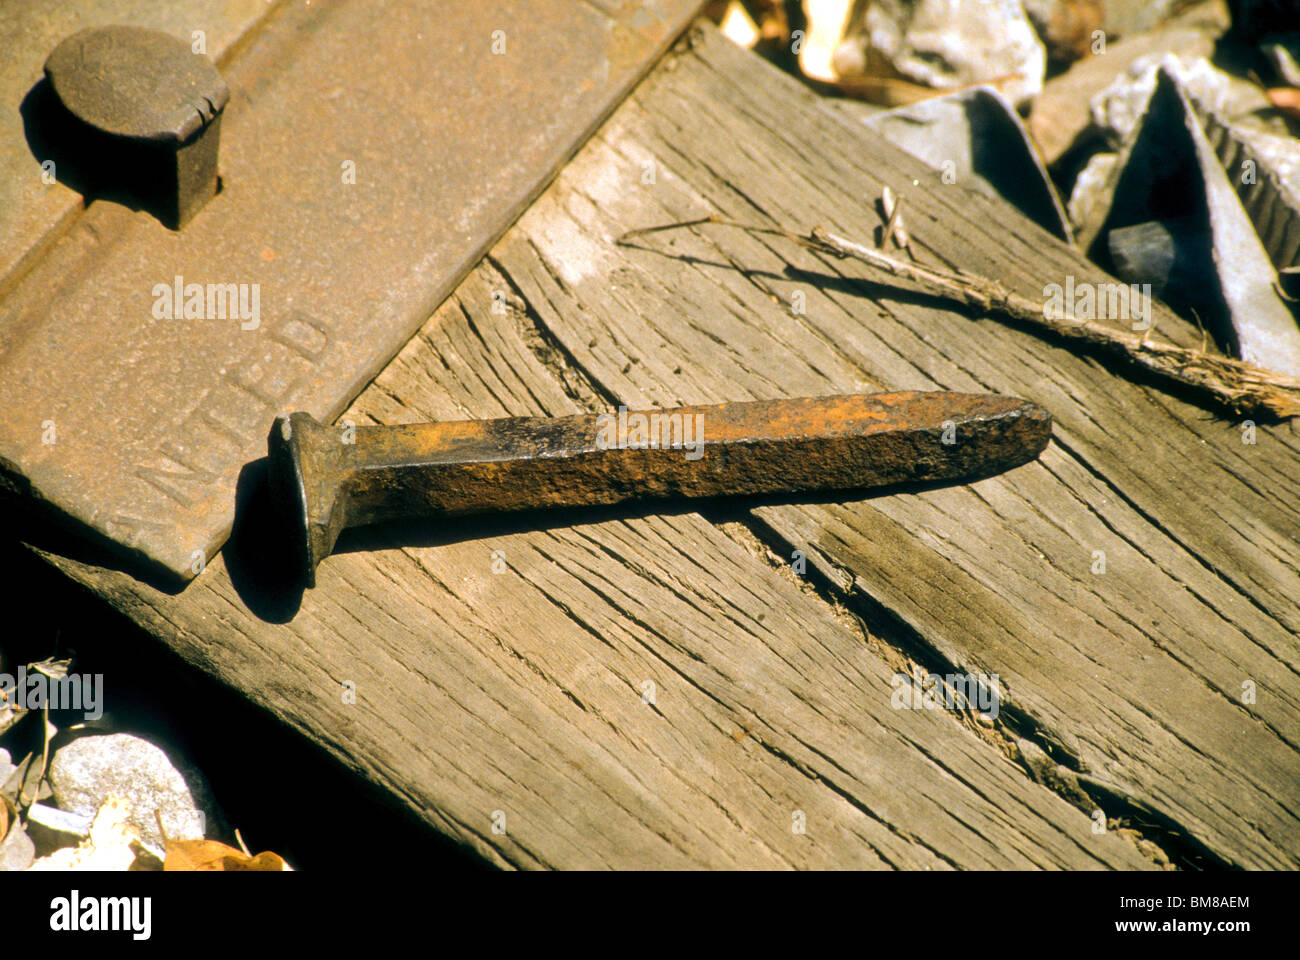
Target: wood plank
524, 692
1135, 677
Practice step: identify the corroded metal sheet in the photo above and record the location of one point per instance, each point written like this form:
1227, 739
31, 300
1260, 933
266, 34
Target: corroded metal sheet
371, 152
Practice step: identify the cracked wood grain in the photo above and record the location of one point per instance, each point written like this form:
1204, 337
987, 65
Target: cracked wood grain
525, 692
1134, 675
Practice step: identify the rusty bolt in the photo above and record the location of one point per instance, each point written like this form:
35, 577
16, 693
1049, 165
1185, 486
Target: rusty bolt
146, 115
325, 480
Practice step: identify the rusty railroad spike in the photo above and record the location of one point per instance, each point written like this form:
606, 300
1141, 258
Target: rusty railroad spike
455, 468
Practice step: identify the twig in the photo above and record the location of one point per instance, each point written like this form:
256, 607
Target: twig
892, 207
1241, 386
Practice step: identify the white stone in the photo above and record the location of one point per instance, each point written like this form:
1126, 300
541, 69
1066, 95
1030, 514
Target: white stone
947, 44
1088, 187
1117, 109
89, 770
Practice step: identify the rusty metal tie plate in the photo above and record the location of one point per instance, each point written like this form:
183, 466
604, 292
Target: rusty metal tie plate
371, 152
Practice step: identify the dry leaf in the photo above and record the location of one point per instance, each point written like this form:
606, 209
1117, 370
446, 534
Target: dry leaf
111, 845
770, 16
10, 713
1070, 28
54, 669
211, 855
1286, 99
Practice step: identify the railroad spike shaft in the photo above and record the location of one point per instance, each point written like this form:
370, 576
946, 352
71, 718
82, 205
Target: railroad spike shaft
330, 478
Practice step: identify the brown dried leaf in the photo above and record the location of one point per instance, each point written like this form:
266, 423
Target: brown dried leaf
1069, 30
1286, 99
770, 16
896, 92
193, 855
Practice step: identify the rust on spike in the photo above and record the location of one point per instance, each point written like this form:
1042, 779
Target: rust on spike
327, 480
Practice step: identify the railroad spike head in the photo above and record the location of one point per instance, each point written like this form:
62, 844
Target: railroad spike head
304, 476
